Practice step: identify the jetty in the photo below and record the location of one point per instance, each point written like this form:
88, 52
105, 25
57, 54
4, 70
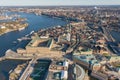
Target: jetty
26, 37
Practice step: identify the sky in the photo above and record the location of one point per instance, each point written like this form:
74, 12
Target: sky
57, 2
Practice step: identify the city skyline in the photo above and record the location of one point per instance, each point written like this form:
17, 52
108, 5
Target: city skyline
57, 2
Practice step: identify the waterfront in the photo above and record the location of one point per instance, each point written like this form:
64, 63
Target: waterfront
35, 23
6, 40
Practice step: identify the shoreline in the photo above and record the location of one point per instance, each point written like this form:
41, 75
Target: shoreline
7, 32
19, 29
62, 18
57, 17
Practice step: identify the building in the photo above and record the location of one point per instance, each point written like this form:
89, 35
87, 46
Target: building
2, 27
84, 50
64, 75
79, 72
99, 76
114, 59
87, 61
44, 46
79, 25
58, 70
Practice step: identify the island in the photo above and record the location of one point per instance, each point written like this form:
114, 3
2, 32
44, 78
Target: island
12, 25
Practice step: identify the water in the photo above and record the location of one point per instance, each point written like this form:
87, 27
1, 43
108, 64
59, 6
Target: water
35, 23
6, 66
42, 64
116, 35
6, 40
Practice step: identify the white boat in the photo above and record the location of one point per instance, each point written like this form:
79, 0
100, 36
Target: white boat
31, 32
58, 26
21, 28
14, 42
10, 71
19, 39
27, 35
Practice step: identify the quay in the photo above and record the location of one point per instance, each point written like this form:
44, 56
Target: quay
2, 58
13, 55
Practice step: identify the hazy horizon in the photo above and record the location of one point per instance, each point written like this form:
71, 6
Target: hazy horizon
58, 2
54, 5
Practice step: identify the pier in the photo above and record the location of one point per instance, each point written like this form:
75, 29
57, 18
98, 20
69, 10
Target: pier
23, 38
26, 37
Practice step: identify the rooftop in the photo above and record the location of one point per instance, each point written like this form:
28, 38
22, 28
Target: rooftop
39, 42
89, 58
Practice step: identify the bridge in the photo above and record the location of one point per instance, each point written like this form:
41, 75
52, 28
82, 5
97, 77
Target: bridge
28, 70
107, 35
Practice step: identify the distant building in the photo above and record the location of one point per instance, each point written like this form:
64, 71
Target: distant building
80, 25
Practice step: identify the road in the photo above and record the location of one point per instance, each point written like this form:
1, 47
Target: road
80, 73
28, 70
71, 72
